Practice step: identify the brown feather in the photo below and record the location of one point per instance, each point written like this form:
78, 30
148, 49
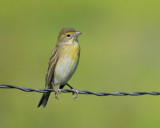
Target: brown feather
51, 67
49, 76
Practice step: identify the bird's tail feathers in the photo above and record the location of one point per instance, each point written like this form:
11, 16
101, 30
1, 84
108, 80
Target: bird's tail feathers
44, 99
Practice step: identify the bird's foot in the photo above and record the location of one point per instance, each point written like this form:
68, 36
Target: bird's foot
57, 91
75, 93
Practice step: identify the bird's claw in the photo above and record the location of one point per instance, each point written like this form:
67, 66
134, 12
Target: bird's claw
57, 91
75, 91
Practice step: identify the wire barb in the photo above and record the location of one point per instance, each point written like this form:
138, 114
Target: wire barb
6, 86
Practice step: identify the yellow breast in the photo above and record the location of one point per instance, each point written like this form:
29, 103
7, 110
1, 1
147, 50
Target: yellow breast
67, 64
73, 50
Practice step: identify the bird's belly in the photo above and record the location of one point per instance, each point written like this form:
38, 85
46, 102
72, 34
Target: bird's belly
64, 70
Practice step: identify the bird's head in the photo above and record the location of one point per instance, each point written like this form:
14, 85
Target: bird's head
68, 36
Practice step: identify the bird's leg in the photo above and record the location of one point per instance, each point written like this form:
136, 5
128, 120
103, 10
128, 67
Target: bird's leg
75, 91
61, 86
57, 91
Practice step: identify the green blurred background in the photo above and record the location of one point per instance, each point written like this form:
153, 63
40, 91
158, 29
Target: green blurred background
120, 51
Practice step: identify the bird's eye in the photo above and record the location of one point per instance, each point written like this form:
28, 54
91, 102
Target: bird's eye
68, 35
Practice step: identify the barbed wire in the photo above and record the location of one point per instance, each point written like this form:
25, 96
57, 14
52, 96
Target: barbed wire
6, 86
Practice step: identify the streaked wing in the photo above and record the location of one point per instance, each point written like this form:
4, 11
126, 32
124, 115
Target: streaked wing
51, 67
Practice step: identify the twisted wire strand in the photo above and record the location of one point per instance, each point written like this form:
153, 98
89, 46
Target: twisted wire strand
6, 86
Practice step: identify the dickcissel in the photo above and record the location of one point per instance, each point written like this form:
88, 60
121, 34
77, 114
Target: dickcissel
62, 63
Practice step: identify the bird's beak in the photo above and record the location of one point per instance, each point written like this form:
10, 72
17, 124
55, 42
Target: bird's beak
77, 33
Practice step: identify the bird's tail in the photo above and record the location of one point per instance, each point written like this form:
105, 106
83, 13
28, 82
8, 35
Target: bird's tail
44, 99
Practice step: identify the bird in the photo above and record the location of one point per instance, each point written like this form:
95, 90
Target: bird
63, 63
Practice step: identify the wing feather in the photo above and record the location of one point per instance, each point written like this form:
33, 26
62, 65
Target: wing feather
51, 67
